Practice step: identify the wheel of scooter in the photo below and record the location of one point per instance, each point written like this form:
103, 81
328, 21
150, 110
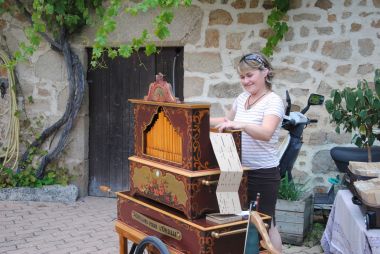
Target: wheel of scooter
152, 240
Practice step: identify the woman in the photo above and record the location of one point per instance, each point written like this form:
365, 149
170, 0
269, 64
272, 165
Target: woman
258, 112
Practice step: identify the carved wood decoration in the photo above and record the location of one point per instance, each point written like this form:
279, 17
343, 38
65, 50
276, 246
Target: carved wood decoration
161, 91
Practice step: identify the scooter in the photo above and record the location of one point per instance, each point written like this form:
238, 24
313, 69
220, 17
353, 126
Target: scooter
295, 123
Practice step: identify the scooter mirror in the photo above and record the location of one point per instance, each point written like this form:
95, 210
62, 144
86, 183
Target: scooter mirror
315, 99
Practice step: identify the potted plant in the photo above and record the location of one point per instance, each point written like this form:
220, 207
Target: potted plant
294, 211
357, 109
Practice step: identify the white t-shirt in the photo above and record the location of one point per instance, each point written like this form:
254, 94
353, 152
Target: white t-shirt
258, 154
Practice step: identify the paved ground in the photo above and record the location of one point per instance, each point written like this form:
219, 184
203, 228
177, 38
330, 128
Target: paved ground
86, 226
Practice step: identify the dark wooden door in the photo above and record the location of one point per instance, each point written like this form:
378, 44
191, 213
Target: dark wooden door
111, 115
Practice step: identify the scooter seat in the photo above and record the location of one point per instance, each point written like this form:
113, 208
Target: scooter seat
342, 155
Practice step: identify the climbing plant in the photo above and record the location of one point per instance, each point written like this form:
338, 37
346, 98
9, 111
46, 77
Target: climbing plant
277, 24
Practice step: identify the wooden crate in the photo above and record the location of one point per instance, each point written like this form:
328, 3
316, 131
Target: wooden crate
294, 219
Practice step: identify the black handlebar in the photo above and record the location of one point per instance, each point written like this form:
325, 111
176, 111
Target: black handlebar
313, 121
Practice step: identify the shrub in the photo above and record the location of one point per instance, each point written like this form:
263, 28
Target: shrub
289, 190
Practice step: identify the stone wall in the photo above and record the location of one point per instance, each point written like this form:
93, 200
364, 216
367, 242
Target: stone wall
330, 44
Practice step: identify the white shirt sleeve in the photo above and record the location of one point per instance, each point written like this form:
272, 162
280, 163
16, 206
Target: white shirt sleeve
275, 106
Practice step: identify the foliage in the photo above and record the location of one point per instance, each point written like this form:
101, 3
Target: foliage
357, 109
278, 26
315, 235
69, 17
27, 177
289, 190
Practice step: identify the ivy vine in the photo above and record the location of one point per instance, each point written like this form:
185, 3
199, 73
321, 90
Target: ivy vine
276, 23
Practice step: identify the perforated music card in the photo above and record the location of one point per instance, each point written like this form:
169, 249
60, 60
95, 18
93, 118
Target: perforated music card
230, 175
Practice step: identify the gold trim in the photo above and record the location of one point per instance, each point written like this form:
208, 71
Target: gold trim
232, 232
174, 105
156, 226
235, 223
136, 235
175, 170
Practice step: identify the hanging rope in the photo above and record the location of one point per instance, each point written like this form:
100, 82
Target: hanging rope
9, 151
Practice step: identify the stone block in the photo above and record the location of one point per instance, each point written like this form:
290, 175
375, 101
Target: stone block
342, 70
51, 66
323, 4
49, 193
203, 62
376, 3
355, 27
325, 30
331, 18
375, 24
306, 17
320, 66
193, 86
293, 76
212, 38
238, 4
253, 3
233, 40
219, 17
337, 50
304, 31
298, 48
365, 69
314, 46
298, 92
322, 162
250, 18
266, 33
224, 90
366, 47
324, 88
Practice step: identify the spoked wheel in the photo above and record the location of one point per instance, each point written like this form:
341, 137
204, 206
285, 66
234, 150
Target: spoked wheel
151, 240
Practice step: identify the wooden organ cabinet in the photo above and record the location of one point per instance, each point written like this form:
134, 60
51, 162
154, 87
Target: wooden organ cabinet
173, 178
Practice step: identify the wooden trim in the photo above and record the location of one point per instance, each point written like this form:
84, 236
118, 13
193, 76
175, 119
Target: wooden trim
175, 170
190, 223
175, 105
179, 171
135, 236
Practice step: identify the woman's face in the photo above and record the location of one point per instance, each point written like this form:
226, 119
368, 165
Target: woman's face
253, 80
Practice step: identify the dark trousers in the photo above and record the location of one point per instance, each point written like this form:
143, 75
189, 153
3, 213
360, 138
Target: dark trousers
265, 181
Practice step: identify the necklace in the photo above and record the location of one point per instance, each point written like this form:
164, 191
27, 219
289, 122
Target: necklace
249, 105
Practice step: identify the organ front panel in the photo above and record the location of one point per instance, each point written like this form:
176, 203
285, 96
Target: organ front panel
161, 140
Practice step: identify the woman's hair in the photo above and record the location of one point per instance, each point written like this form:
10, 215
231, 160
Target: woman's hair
255, 61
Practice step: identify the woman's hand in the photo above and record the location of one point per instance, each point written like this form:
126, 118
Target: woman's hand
229, 125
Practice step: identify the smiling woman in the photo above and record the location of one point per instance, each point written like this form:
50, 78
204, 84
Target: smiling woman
258, 112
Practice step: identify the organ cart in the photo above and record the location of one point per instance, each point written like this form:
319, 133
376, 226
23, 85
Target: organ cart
173, 179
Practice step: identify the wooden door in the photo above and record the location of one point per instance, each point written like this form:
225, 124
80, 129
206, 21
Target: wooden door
111, 115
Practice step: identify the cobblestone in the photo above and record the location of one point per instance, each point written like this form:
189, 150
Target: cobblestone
86, 226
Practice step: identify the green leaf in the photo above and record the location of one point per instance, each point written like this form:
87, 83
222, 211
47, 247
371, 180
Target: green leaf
125, 51
363, 114
329, 105
150, 49
49, 9
350, 101
337, 129
377, 82
337, 98
362, 129
162, 32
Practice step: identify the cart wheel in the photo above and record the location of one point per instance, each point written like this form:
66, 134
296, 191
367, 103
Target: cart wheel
133, 248
161, 247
